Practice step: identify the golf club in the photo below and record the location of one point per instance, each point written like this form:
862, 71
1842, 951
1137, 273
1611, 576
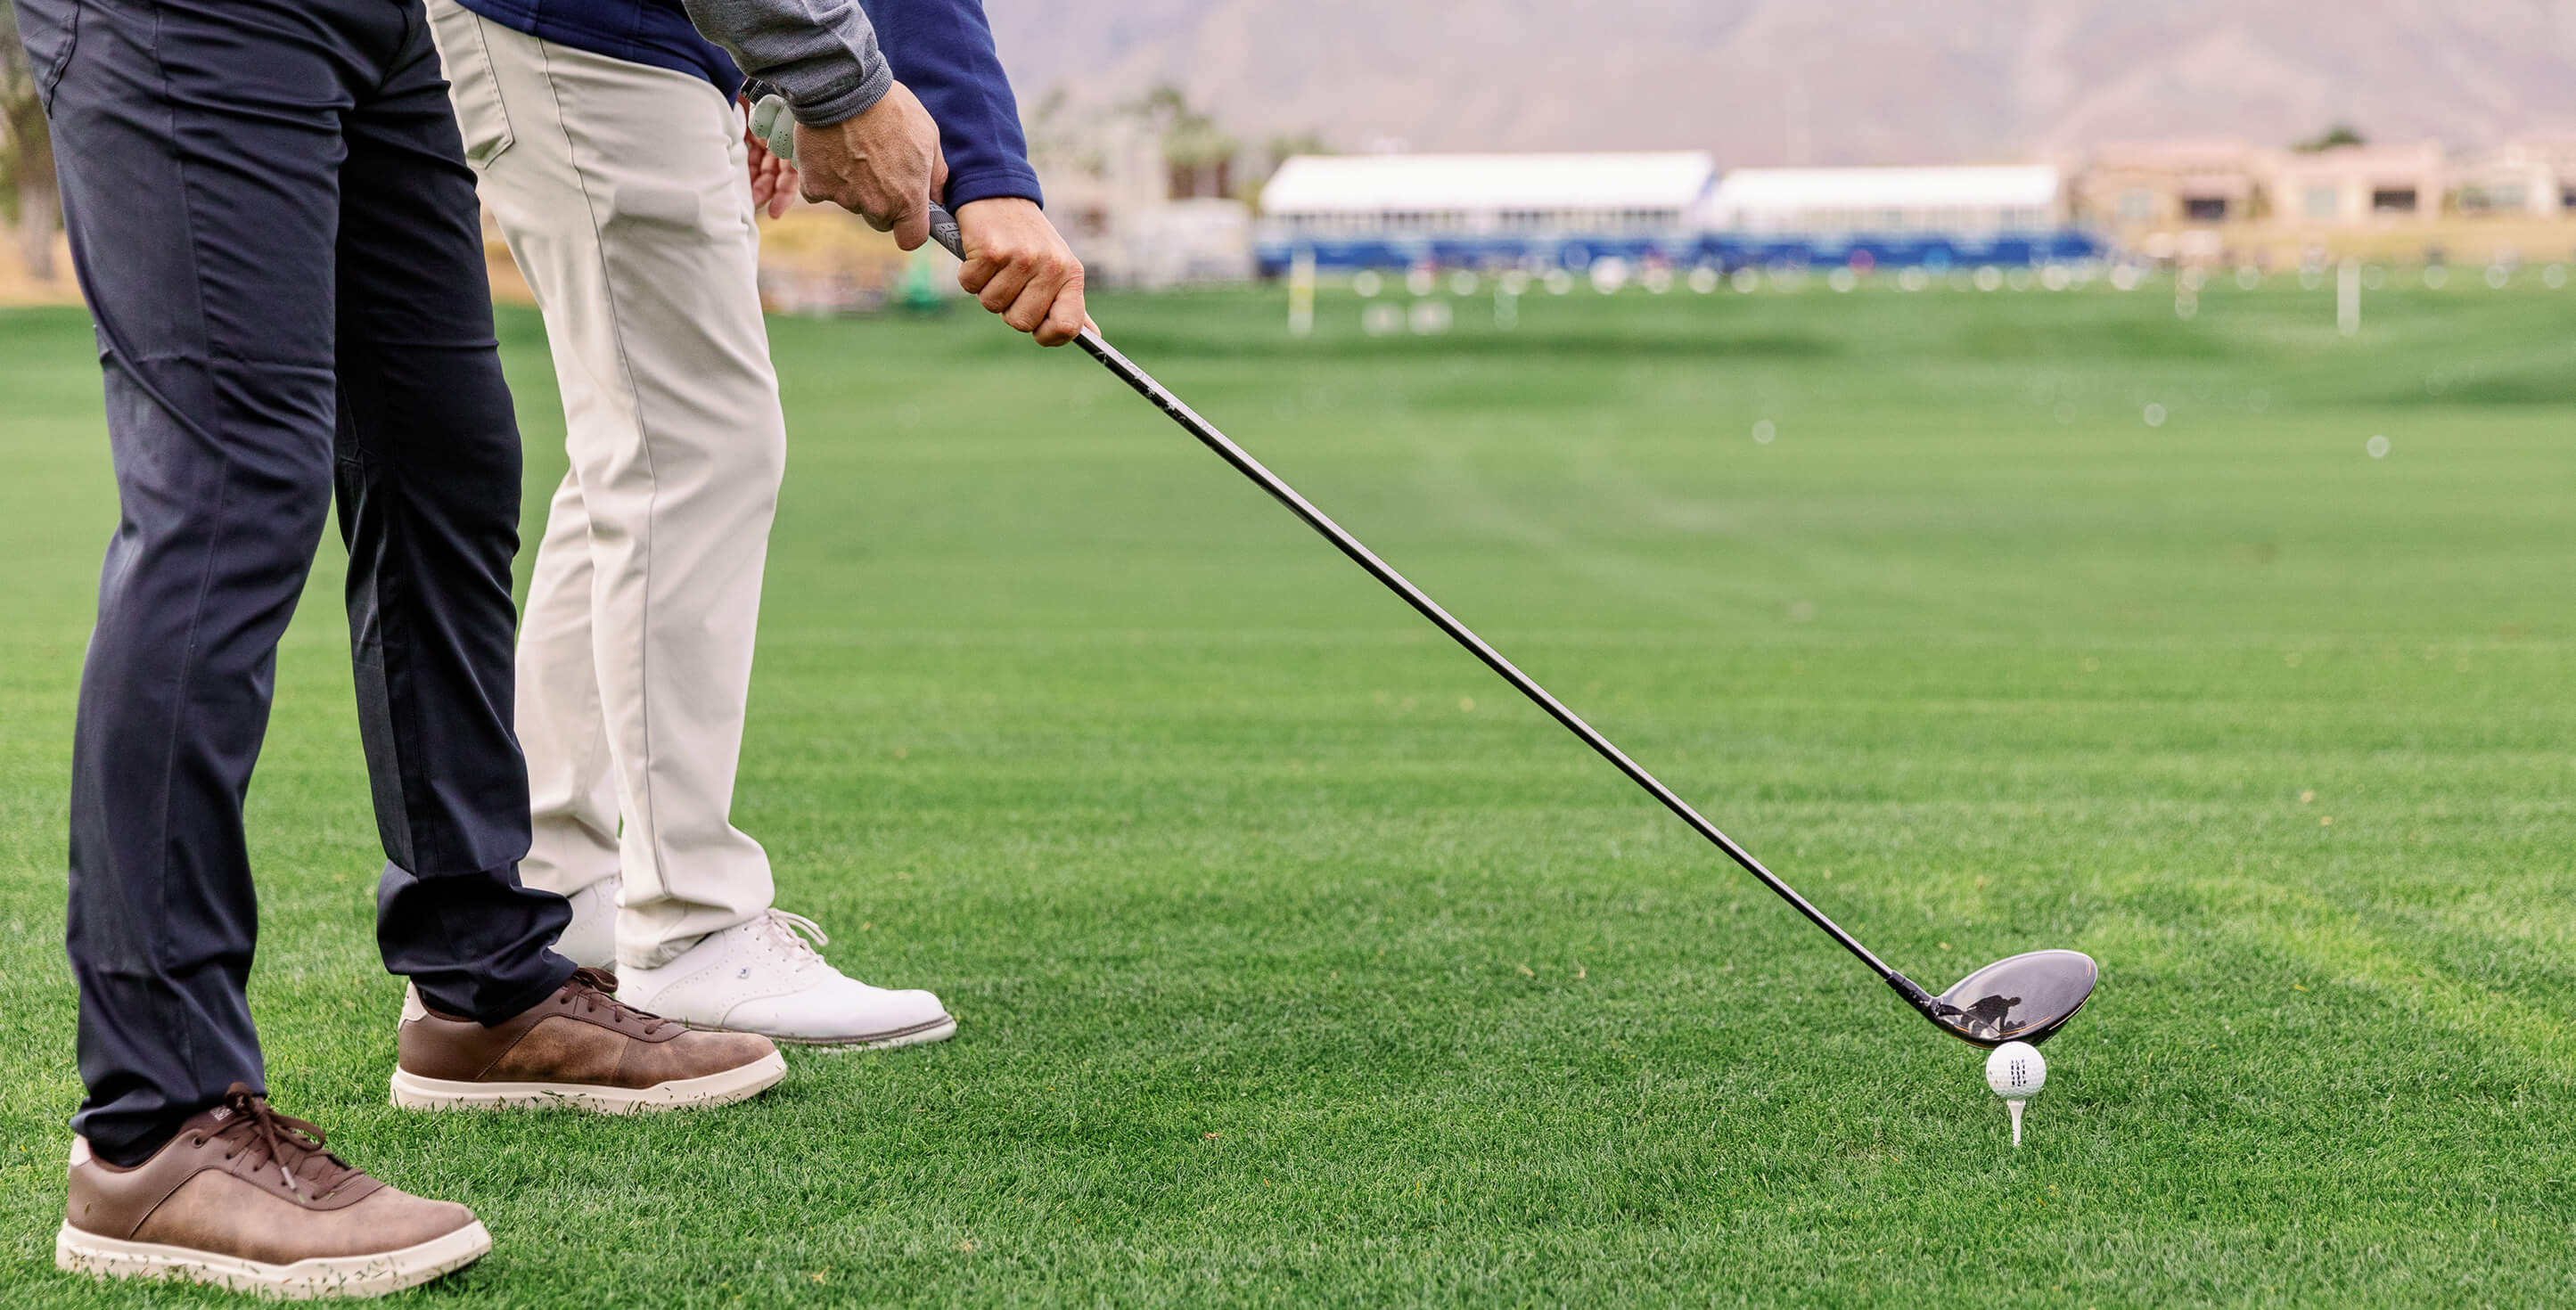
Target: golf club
2023, 998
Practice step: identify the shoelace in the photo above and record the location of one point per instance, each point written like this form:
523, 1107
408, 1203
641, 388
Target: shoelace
795, 937
293, 1145
597, 989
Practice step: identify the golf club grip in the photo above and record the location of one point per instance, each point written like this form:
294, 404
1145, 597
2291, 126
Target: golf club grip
1342, 540
943, 229
767, 107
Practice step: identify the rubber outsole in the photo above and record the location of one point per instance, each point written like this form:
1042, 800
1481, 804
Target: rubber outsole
323, 1276
937, 1030
413, 1092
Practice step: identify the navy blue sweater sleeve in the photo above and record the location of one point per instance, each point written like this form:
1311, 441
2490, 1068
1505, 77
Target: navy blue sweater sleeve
943, 50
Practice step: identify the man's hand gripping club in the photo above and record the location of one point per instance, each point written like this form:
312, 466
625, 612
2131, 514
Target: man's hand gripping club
885, 166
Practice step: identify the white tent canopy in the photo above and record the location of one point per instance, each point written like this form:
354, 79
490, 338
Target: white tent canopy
1884, 199
1356, 185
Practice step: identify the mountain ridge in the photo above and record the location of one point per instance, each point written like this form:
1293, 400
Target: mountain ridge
1789, 82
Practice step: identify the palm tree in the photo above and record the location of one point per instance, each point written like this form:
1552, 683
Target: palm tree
1199, 154
27, 189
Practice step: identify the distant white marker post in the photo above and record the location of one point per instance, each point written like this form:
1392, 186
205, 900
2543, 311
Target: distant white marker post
2348, 298
1301, 292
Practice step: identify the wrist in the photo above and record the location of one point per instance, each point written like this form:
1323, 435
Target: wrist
990, 206
845, 104
989, 183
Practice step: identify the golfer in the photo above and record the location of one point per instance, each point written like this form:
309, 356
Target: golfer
277, 237
612, 153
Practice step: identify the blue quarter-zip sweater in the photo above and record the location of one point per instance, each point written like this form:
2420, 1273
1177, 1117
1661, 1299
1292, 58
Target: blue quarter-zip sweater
942, 49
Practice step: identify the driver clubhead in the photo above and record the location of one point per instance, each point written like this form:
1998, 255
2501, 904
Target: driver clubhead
2025, 998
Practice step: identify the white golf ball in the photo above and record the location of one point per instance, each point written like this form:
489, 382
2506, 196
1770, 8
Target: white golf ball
2015, 1071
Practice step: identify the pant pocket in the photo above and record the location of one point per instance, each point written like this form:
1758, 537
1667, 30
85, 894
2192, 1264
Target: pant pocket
48, 28
472, 88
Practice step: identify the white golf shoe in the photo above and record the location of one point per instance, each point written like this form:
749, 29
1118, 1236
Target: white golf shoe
765, 977
590, 940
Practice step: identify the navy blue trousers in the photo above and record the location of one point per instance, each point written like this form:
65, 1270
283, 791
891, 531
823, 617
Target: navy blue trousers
279, 241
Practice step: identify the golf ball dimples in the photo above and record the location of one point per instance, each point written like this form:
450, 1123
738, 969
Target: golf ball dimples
2016, 1071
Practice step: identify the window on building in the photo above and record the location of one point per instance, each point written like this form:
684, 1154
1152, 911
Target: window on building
2501, 198
2392, 200
2204, 209
2320, 202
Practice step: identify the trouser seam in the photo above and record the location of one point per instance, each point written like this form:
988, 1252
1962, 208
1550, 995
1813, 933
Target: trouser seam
188, 660
642, 774
394, 650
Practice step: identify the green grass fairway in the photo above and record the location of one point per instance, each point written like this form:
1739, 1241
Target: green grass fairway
1299, 962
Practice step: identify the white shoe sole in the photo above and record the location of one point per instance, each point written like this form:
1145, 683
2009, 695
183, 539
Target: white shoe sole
413, 1092
347, 1275
937, 1030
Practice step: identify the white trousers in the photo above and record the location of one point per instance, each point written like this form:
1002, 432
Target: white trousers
622, 192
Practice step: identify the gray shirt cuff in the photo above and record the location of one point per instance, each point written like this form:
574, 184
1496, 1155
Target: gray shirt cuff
821, 54
833, 108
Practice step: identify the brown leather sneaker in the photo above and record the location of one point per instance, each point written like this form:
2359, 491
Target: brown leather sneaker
579, 1049
246, 1198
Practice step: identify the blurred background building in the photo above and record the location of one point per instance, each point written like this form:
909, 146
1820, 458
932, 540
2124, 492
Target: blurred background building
1149, 194
2354, 184
2214, 199
2130, 188
2531, 176
1216, 142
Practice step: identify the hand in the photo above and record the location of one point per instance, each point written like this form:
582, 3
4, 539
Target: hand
1018, 265
773, 180
883, 165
